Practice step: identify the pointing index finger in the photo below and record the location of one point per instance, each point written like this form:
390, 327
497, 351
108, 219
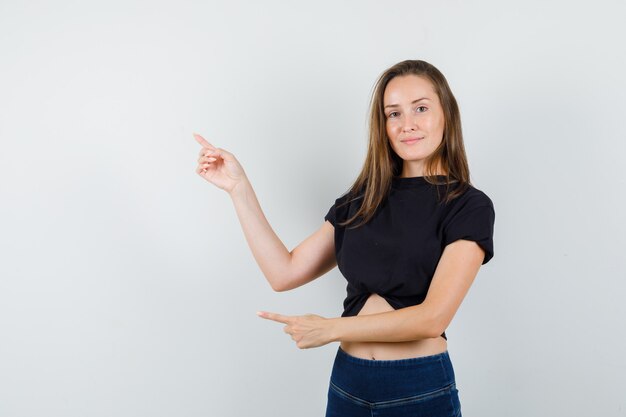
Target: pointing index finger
202, 141
274, 316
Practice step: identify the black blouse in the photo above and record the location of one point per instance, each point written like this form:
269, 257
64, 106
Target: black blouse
396, 253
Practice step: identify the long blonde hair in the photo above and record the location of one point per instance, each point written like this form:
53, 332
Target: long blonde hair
382, 163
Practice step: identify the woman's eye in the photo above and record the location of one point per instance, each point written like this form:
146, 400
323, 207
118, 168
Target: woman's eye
392, 114
421, 107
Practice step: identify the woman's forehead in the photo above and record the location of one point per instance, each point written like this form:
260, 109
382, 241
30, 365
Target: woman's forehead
408, 88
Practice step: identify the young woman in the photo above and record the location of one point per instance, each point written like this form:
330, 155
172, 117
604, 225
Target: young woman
409, 236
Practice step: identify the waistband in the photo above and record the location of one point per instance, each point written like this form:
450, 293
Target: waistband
345, 356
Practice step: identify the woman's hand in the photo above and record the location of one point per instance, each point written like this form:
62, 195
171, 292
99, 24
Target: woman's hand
218, 166
308, 331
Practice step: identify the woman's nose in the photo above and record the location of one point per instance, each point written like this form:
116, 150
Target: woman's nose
409, 124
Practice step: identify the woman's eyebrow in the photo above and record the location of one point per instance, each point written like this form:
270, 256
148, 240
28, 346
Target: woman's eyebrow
413, 102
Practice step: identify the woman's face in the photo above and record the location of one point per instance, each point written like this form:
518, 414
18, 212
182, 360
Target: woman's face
414, 121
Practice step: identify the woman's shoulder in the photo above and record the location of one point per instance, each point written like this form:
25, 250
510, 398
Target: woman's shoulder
350, 194
473, 197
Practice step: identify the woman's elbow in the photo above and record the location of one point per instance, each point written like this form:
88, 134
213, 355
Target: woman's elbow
437, 323
282, 285
278, 286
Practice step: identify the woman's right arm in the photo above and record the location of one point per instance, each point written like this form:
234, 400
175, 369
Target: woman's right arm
283, 269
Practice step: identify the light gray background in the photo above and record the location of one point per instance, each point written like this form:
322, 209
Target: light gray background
127, 287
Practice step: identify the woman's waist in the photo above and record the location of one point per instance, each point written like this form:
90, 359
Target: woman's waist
395, 350
391, 350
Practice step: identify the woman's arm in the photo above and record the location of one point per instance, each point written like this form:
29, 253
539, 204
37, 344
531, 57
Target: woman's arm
283, 269
456, 270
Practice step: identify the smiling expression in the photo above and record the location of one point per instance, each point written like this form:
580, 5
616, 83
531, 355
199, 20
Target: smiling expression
414, 121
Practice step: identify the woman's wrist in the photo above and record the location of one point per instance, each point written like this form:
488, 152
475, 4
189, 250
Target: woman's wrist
335, 325
241, 188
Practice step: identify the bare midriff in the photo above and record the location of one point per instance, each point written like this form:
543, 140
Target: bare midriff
391, 350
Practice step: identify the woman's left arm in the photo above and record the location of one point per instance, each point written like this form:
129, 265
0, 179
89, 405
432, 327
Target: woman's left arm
455, 272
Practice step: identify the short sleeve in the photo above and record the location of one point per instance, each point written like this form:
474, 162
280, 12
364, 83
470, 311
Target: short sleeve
331, 215
474, 221
338, 212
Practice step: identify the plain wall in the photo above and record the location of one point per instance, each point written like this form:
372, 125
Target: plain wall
126, 285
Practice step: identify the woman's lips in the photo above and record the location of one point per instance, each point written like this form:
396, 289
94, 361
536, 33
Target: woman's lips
410, 141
